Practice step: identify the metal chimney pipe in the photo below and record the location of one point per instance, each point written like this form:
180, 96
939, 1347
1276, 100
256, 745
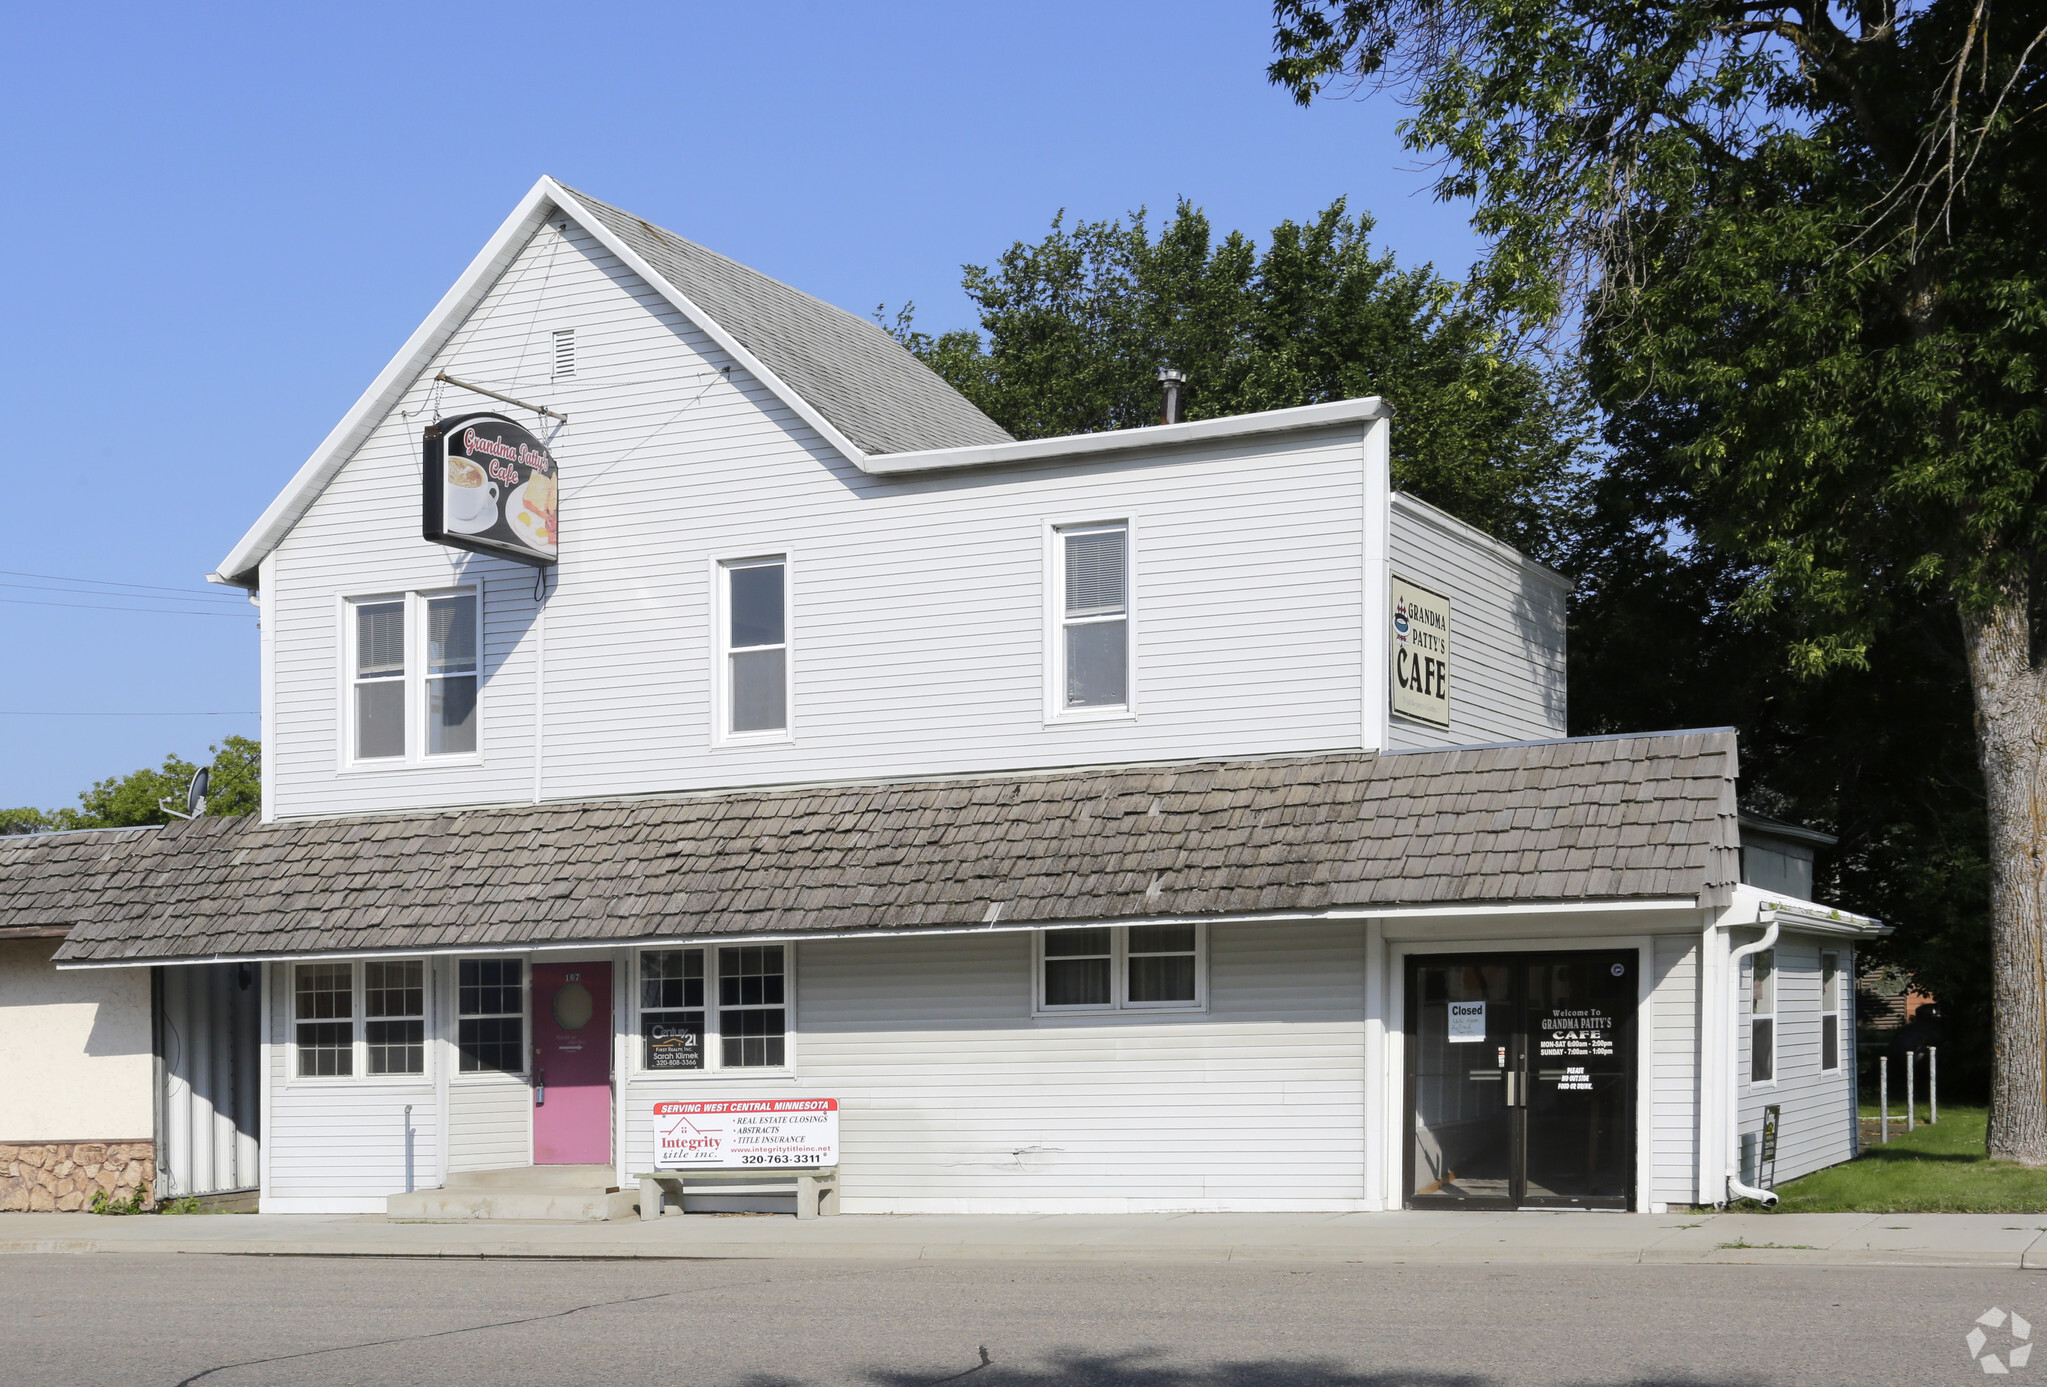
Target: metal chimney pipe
1170, 382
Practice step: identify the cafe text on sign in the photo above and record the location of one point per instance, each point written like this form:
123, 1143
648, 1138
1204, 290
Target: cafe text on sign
743, 1133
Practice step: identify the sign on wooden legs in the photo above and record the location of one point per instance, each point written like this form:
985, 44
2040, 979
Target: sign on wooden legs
743, 1133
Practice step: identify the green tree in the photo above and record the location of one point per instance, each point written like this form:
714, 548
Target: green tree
129, 801
1079, 323
1814, 235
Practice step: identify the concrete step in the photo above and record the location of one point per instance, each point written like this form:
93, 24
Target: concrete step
580, 1206
536, 1178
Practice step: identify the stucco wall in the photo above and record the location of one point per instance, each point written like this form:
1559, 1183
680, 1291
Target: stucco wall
75, 1059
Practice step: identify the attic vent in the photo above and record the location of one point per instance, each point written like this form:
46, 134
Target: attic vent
565, 353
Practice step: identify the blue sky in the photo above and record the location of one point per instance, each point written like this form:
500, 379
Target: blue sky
227, 218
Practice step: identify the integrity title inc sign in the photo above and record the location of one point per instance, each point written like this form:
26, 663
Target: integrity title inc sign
737, 1133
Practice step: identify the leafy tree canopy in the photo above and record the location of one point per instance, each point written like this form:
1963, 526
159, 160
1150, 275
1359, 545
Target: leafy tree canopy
129, 801
1078, 324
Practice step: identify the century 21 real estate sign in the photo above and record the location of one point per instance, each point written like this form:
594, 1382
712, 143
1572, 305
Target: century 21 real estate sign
1421, 653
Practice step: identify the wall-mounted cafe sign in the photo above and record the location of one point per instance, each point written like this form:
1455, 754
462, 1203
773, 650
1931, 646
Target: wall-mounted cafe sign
490, 486
1420, 647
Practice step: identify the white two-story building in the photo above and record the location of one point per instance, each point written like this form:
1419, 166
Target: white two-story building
672, 690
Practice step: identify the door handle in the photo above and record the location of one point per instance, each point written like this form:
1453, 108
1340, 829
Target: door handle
1517, 1095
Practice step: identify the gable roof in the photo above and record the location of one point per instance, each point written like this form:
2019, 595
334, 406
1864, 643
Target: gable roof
847, 378
1601, 819
880, 396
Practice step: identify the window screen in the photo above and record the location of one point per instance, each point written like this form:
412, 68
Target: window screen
379, 679
1095, 617
1077, 967
451, 674
756, 639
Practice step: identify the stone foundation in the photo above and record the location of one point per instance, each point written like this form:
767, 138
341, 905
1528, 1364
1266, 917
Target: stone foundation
62, 1175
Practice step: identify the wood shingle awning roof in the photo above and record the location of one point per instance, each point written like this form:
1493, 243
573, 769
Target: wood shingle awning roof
1597, 819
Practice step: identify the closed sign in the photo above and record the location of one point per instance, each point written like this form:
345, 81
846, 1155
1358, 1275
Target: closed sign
1421, 653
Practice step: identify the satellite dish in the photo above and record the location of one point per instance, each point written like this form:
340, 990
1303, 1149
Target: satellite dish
195, 796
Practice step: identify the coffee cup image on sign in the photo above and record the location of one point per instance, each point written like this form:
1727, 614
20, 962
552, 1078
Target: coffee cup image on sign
471, 498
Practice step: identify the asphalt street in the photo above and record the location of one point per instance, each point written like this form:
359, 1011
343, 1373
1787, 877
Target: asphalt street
280, 1321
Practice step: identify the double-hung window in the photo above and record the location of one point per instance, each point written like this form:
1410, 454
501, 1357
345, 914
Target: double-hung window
1121, 968
754, 636
359, 1019
413, 676
1830, 1011
1093, 563
714, 1007
490, 1016
379, 680
1762, 1018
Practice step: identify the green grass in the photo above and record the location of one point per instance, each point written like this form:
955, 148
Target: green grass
1933, 1170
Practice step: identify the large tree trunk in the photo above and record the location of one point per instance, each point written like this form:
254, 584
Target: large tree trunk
2011, 744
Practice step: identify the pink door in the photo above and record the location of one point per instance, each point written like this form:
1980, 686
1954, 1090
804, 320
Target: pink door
572, 1064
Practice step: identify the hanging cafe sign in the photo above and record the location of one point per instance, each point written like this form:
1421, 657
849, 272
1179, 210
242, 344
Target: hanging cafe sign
489, 486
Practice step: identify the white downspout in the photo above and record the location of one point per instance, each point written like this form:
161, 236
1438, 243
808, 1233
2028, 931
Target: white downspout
1735, 1188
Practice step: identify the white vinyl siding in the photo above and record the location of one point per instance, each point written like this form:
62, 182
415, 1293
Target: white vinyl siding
955, 1098
921, 611
1816, 1122
1673, 1087
1507, 621
339, 1145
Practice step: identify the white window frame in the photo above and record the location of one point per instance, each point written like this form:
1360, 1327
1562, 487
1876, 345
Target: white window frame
722, 708
1830, 1063
1056, 711
1119, 1003
714, 1038
456, 1073
358, 1019
415, 679
1755, 964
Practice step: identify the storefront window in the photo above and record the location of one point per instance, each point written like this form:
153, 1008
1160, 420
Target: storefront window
751, 1018
744, 1026
672, 1008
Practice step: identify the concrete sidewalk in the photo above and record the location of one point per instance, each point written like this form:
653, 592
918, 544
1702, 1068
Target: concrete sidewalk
2015, 1241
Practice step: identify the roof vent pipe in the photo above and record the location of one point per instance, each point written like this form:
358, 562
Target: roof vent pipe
1170, 382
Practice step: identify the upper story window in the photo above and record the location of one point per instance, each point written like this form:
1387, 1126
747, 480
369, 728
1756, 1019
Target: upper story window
754, 640
1762, 1018
413, 676
1093, 564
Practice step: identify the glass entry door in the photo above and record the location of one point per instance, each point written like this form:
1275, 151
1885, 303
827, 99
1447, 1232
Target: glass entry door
1521, 1080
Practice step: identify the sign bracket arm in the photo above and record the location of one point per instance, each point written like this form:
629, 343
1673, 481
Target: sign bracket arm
480, 390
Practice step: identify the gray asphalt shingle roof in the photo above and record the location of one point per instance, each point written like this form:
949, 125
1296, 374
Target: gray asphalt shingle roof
1597, 819
880, 396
